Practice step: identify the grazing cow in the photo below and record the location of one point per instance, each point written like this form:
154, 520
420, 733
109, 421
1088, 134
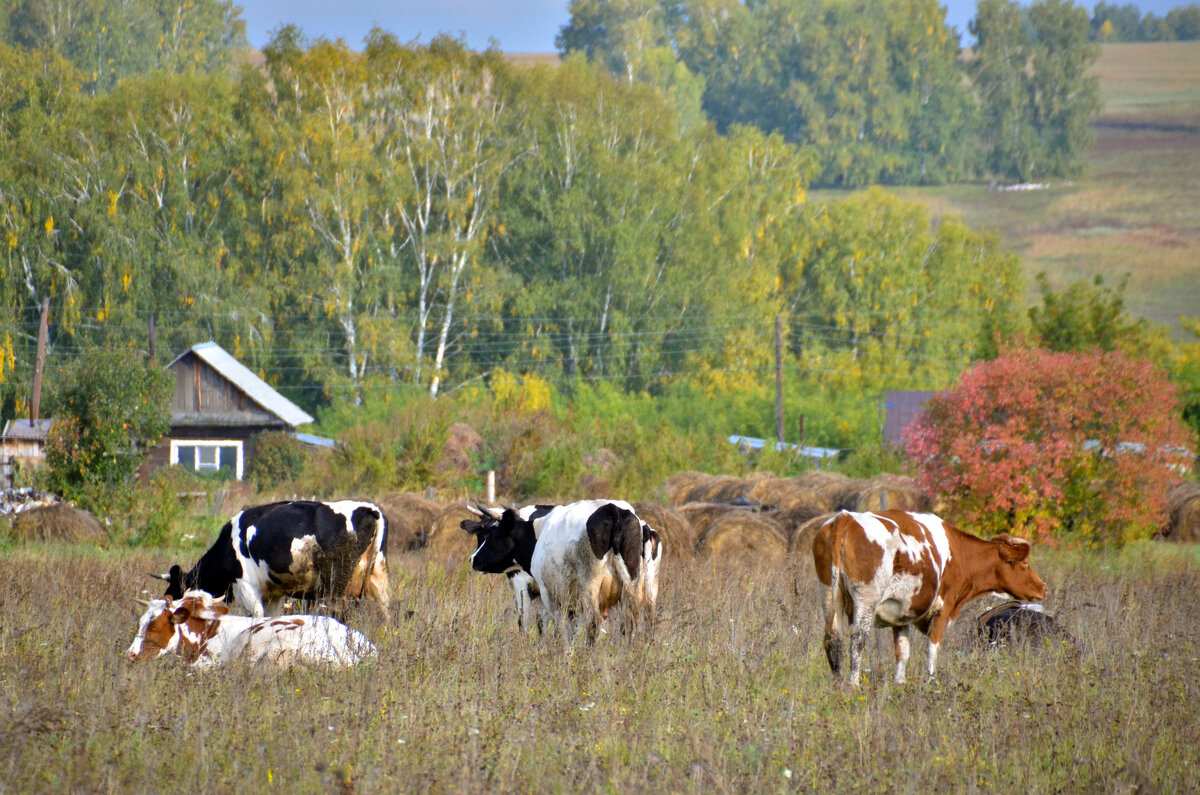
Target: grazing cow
200, 629
584, 557
310, 550
899, 569
1015, 622
524, 587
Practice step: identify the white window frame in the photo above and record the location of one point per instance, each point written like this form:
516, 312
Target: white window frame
216, 444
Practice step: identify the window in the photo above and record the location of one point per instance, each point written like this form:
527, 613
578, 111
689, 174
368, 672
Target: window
223, 457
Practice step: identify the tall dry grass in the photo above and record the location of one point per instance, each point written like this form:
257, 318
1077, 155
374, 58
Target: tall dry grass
730, 693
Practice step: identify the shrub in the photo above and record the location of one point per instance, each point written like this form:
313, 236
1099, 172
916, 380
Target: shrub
1077, 447
279, 458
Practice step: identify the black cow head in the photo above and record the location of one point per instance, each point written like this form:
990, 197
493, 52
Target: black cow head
174, 581
504, 540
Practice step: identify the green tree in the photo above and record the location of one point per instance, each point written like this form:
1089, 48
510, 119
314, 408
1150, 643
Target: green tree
1084, 316
110, 407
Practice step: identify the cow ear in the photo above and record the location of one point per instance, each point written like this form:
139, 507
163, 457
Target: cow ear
180, 615
1012, 550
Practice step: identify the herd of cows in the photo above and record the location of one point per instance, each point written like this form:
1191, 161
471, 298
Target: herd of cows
568, 566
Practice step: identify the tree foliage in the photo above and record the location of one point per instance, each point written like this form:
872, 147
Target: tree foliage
1064, 447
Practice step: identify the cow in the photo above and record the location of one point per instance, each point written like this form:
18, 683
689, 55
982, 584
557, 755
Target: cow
584, 557
304, 549
899, 569
201, 630
524, 587
1014, 622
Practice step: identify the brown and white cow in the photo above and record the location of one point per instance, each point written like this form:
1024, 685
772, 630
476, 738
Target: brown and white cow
200, 629
899, 569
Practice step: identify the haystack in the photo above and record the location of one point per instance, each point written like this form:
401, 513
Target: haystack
707, 489
892, 493
678, 485
785, 493
744, 539
59, 522
677, 534
447, 540
736, 489
800, 543
1184, 502
834, 491
409, 517
699, 515
792, 519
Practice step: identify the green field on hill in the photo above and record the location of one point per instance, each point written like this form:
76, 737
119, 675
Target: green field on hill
1135, 211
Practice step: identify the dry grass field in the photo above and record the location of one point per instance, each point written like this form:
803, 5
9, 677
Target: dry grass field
730, 693
1136, 210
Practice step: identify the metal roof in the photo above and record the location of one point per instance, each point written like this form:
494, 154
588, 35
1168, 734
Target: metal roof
255, 388
751, 443
24, 429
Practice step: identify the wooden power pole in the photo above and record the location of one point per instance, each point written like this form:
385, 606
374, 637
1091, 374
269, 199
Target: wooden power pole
778, 379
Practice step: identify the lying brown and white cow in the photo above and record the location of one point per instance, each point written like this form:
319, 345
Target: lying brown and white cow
899, 569
200, 629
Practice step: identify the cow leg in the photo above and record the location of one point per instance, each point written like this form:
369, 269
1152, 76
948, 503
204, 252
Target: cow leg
860, 632
248, 597
833, 636
377, 583
902, 640
937, 631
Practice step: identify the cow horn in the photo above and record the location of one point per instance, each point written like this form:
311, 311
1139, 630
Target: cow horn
219, 600
141, 602
491, 512
163, 577
475, 509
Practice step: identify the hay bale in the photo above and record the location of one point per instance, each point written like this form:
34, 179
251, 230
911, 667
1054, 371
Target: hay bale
1184, 520
739, 489
409, 517
800, 543
892, 493
707, 489
678, 485
699, 515
744, 539
447, 541
677, 534
783, 493
792, 519
462, 444
59, 522
833, 490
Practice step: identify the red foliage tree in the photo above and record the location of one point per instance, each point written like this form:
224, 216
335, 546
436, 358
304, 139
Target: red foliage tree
1075, 447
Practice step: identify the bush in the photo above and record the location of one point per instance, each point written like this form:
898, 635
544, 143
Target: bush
1077, 447
279, 458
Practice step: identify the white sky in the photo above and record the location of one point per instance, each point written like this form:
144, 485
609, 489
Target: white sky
518, 25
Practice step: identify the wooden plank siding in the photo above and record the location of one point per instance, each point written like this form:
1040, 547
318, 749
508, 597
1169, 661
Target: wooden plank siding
204, 397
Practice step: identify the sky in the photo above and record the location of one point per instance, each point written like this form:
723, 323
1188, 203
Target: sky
518, 25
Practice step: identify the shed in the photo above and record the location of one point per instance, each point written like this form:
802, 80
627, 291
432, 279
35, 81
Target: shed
21, 445
217, 410
901, 408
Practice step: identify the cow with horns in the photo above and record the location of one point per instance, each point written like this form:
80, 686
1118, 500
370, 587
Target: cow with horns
301, 549
899, 569
200, 630
583, 559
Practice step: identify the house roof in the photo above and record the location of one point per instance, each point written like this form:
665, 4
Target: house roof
255, 388
903, 406
24, 429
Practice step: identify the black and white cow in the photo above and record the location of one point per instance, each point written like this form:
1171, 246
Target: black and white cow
308, 550
524, 587
583, 557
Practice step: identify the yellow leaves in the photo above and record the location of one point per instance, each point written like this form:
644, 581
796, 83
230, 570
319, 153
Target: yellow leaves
113, 196
126, 279
8, 358
50, 225
12, 240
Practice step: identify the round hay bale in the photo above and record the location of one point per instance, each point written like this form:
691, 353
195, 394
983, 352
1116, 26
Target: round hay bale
833, 490
677, 534
801, 541
739, 489
744, 539
1184, 522
59, 522
447, 541
707, 489
595, 487
409, 517
892, 493
699, 515
782, 493
462, 442
792, 519
678, 485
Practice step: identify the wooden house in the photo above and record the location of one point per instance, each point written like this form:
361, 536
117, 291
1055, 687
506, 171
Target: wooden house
21, 446
218, 409
902, 407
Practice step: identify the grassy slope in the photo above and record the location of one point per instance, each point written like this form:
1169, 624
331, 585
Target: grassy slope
730, 694
1137, 210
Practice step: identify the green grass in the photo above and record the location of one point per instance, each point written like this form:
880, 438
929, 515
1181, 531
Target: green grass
729, 694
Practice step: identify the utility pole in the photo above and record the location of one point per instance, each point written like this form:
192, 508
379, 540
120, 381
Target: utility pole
36, 401
152, 339
778, 379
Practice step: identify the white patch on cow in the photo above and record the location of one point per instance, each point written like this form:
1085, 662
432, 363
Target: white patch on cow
874, 528
346, 509
896, 608
937, 531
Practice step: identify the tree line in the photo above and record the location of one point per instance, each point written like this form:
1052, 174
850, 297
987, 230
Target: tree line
1126, 22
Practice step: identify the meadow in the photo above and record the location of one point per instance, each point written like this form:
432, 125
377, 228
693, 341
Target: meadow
730, 692
1135, 211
